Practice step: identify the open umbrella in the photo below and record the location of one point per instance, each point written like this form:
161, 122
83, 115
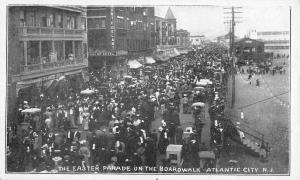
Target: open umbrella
198, 88
149, 60
128, 76
134, 64
31, 110
87, 91
199, 104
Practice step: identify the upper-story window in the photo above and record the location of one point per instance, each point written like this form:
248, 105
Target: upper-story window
22, 18
73, 23
31, 19
59, 21
120, 22
50, 20
69, 23
96, 22
145, 12
43, 21
83, 23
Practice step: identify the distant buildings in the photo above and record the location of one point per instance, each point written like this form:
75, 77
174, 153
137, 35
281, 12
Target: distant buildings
166, 37
183, 38
225, 40
197, 40
249, 49
276, 42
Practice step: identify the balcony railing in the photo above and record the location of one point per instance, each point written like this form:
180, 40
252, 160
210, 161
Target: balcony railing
50, 31
51, 65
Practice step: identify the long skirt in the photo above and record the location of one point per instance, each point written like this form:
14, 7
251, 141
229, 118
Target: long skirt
85, 124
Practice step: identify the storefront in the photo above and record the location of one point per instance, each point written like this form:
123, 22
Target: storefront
110, 64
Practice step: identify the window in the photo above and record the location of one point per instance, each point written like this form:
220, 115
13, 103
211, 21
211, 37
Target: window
83, 23
145, 11
58, 48
22, 52
50, 21
31, 19
46, 50
78, 49
58, 21
96, 23
85, 50
102, 23
68, 49
68, 22
33, 52
120, 23
22, 18
43, 22
127, 44
73, 25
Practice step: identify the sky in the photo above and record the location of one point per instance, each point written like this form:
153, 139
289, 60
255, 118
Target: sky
209, 20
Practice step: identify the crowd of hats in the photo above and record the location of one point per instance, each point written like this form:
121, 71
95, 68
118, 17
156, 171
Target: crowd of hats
111, 124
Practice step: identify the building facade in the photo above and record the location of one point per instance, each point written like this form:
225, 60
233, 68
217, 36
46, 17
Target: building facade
197, 40
276, 42
44, 43
183, 38
118, 34
166, 37
249, 49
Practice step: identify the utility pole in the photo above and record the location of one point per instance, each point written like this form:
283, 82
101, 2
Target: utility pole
232, 23
232, 47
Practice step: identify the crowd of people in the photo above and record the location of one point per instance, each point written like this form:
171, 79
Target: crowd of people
108, 121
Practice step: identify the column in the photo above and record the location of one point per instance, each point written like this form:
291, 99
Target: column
73, 49
40, 54
82, 51
64, 50
160, 32
25, 55
53, 49
118, 67
104, 65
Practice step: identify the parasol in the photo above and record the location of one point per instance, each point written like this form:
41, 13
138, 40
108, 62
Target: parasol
134, 64
198, 88
87, 91
201, 104
31, 110
128, 76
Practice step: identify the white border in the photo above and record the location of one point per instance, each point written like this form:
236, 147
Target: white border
295, 80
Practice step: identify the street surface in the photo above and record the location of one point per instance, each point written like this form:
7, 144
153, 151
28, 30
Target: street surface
270, 117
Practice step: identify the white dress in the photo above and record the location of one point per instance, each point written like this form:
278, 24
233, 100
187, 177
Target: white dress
80, 115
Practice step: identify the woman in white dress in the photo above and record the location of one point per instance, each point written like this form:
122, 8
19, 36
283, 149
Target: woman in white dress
85, 122
80, 118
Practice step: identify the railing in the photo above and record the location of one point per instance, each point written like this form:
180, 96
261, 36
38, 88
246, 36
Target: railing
251, 133
51, 31
166, 46
50, 65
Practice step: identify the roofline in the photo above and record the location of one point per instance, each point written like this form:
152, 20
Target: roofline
198, 36
249, 39
74, 9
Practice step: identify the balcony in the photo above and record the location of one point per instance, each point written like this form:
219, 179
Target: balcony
40, 33
45, 69
167, 46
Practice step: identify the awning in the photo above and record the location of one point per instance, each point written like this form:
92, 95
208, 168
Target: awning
161, 58
134, 64
149, 60
176, 52
87, 91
